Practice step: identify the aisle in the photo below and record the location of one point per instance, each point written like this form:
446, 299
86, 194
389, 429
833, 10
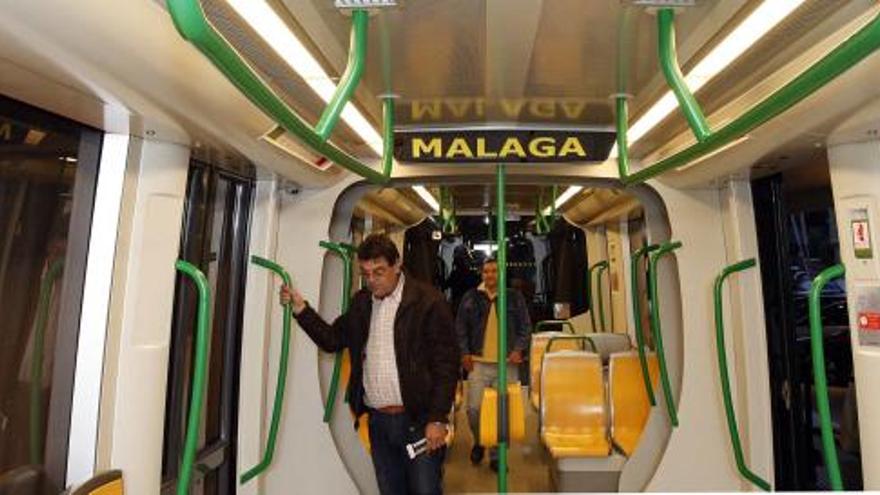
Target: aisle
528, 461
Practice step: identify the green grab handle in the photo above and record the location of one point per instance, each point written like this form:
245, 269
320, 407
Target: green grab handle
725, 377
55, 270
675, 79
343, 251
281, 382
192, 24
829, 451
637, 313
200, 365
664, 249
354, 71
601, 267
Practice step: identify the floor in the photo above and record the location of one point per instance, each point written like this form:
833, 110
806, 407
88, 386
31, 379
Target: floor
529, 463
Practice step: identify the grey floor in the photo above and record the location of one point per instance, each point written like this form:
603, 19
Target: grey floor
528, 461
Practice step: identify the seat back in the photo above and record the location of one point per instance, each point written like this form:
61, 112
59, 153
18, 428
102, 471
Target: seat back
536, 355
516, 418
629, 399
573, 415
107, 483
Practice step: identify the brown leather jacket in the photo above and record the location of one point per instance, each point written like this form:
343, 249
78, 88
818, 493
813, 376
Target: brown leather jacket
425, 346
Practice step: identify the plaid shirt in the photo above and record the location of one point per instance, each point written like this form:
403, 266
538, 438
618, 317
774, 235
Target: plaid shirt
381, 381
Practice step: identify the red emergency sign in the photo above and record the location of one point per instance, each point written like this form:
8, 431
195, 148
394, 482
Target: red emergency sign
869, 320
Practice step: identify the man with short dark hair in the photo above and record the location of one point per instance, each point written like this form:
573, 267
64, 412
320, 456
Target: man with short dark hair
404, 365
476, 324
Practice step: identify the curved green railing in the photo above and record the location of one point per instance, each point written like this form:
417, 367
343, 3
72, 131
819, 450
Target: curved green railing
281, 382
200, 366
637, 317
674, 77
585, 338
343, 251
601, 268
592, 306
725, 377
55, 270
829, 450
546, 323
846, 55
662, 250
354, 70
190, 21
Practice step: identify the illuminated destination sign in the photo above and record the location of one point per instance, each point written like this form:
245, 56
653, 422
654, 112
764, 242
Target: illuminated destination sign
502, 145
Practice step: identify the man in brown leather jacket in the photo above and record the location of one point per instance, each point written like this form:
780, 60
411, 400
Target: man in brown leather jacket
404, 365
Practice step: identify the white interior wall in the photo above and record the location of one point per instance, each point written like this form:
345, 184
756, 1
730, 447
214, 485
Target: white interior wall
133, 400
258, 370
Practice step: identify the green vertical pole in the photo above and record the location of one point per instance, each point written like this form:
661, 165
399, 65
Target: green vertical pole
829, 450
343, 253
200, 368
637, 313
281, 382
501, 310
732, 427
56, 268
664, 249
590, 304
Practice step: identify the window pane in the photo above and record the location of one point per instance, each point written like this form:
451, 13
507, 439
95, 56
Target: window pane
39, 164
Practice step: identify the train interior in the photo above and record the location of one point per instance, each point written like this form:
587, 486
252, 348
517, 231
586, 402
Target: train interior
682, 192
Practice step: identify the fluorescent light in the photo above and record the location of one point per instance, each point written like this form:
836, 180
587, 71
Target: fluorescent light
274, 31
427, 197
753, 28
565, 196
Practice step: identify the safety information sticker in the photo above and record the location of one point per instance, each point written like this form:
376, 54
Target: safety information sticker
861, 234
868, 316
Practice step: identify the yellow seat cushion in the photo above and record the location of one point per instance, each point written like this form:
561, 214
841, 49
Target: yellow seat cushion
573, 416
489, 415
536, 356
629, 399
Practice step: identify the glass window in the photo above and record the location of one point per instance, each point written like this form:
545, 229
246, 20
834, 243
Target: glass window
48, 167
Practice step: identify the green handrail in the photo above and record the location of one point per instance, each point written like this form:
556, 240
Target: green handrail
664, 249
829, 450
590, 294
546, 323
354, 70
55, 270
602, 268
281, 382
585, 338
191, 23
725, 378
849, 53
637, 317
343, 252
501, 311
674, 77
200, 365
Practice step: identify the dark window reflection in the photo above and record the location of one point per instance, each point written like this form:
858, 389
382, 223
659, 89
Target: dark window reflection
39, 165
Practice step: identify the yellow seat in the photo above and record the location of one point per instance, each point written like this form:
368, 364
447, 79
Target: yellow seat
107, 483
573, 416
516, 417
629, 399
536, 355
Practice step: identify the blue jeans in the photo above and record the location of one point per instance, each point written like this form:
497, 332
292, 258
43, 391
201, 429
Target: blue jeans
396, 473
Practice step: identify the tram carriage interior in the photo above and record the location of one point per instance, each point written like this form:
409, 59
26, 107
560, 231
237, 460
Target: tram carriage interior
683, 192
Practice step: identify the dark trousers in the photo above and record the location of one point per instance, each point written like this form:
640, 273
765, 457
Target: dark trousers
396, 473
